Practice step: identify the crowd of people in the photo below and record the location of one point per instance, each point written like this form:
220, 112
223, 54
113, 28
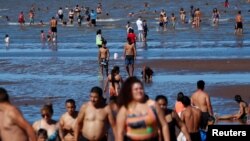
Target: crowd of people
128, 115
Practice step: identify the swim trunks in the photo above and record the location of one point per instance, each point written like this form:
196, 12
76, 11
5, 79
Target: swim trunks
53, 29
129, 60
195, 136
239, 25
104, 62
204, 119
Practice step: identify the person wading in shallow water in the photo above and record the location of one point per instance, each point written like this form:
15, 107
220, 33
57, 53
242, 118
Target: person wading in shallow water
94, 116
13, 126
201, 100
130, 56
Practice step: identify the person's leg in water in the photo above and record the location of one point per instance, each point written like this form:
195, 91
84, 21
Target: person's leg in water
107, 70
132, 70
127, 68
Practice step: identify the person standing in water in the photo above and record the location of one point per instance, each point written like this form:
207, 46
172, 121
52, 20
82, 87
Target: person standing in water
103, 57
31, 16
53, 27
115, 80
93, 17
145, 30
47, 123
13, 126
21, 19
60, 14
67, 121
173, 20
172, 118
201, 100
130, 56
139, 118
239, 24
182, 15
94, 114
216, 16
191, 117
140, 29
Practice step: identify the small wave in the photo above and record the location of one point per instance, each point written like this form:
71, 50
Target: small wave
108, 20
4, 9
35, 24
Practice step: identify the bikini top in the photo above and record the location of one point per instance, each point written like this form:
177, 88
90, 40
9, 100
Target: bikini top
52, 137
142, 126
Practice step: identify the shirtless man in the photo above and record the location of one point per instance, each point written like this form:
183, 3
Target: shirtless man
53, 26
13, 126
103, 57
239, 24
201, 100
242, 113
130, 56
67, 121
191, 116
93, 118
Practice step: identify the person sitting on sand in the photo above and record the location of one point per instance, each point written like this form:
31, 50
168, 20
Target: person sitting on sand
242, 113
47, 123
147, 74
13, 126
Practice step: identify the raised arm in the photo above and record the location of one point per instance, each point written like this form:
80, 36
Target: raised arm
19, 120
121, 117
163, 122
79, 122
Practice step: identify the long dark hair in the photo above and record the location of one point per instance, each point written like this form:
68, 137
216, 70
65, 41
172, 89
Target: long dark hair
125, 95
115, 70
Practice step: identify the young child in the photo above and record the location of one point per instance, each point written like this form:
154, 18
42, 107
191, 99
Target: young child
42, 36
42, 135
147, 74
7, 39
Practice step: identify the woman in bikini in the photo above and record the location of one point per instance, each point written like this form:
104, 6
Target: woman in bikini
139, 118
115, 81
47, 123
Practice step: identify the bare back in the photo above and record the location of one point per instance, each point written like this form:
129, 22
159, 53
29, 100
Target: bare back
129, 49
10, 131
238, 18
94, 119
200, 100
103, 53
191, 117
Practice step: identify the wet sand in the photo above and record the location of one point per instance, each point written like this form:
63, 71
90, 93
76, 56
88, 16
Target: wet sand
200, 65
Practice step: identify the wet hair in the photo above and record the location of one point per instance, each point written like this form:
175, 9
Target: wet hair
186, 101
191, 6
113, 99
48, 108
239, 12
42, 132
71, 101
6, 35
172, 14
237, 98
131, 30
201, 84
146, 97
159, 97
53, 17
99, 31
97, 90
104, 42
4, 96
42, 31
115, 70
180, 96
144, 20
129, 41
125, 95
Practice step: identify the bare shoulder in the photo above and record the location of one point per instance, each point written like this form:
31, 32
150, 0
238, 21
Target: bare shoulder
84, 107
13, 112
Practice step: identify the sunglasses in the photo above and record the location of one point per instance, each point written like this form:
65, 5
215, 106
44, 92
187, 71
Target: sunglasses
47, 115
